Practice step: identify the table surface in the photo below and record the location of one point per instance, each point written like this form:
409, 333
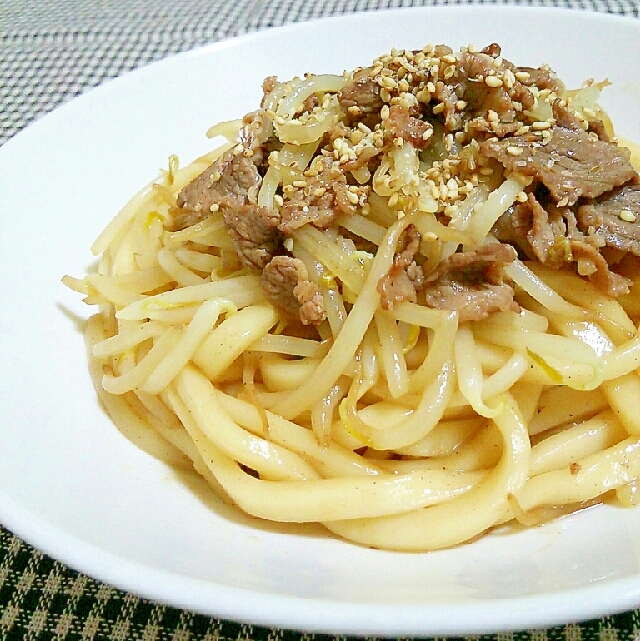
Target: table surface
55, 50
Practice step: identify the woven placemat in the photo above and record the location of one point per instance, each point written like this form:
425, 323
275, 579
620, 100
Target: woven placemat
50, 52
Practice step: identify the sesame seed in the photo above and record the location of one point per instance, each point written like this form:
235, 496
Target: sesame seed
493, 82
385, 95
278, 200
460, 105
627, 215
354, 110
388, 83
492, 116
522, 75
439, 108
299, 183
486, 171
541, 125
214, 207
521, 197
515, 151
427, 134
319, 192
429, 236
384, 112
352, 198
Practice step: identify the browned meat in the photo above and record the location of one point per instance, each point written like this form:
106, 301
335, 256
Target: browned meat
256, 127
418, 132
481, 97
592, 264
538, 233
232, 177
323, 197
541, 77
471, 282
513, 227
615, 218
565, 118
598, 128
569, 163
446, 95
360, 98
254, 231
405, 276
285, 282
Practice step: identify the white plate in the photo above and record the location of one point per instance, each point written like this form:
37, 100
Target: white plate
73, 486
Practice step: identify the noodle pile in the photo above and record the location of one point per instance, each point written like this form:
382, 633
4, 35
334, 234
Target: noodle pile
392, 420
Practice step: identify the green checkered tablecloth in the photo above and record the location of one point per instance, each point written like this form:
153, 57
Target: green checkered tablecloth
50, 52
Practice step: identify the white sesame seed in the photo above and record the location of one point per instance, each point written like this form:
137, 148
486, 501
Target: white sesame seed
541, 125
627, 215
278, 200
515, 151
214, 207
493, 82
352, 198
523, 75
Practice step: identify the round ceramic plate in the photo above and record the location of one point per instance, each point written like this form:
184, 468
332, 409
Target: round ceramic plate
72, 485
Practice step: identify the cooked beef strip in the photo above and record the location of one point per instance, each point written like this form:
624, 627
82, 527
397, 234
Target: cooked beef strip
541, 77
285, 282
233, 177
605, 218
254, 231
569, 163
592, 264
471, 282
323, 197
418, 132
405, 277
360, 98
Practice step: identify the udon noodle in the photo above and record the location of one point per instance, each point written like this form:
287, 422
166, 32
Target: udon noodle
375, 308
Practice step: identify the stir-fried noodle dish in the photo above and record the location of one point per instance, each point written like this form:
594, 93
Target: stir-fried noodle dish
400, 302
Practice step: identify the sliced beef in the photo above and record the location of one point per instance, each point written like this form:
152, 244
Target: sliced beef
564, 117
231, 177
481, 97
323, 197
614, 218
360, 98
592, 264
541, 77
537, 233
471, 282
254, 231
569, 163
411, 129
285, 282
446, 95
405, 278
